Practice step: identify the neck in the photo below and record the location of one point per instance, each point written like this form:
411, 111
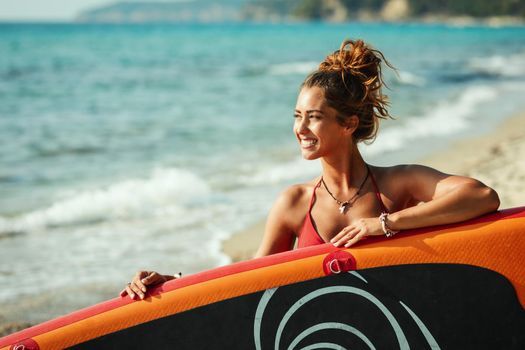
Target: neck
344, 172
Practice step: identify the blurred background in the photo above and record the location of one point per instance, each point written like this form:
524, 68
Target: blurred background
142, 134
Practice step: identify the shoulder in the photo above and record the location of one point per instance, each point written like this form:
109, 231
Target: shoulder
406, 173
296, 196
408, 184
285, 219
423, 183
386, 176
292, 204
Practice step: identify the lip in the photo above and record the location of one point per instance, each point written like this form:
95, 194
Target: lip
307, 143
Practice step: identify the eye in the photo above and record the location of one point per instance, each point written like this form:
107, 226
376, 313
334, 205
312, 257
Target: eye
316, 116
297, 116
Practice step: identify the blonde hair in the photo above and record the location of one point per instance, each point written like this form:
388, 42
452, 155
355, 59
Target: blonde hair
352, 82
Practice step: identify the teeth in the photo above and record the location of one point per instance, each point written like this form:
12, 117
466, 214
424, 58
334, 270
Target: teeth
308, 142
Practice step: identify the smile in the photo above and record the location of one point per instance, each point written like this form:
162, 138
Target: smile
308, 143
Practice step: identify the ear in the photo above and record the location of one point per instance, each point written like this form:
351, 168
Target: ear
351, 124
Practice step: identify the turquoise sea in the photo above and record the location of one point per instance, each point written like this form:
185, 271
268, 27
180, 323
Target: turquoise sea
143, 146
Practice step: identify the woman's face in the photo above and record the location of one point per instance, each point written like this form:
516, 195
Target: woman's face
316, 127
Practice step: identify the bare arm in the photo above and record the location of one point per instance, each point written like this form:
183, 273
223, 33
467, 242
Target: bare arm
279, 234
443, 199
437, 198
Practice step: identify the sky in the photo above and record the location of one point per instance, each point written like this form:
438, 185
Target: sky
47, 10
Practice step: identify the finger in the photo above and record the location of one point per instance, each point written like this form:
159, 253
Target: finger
123, 292
137, 290
354, 240
341, 234
139, 278
152, 278
349, 235
138, 282
129, 292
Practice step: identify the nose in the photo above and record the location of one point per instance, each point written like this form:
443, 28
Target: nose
301, 125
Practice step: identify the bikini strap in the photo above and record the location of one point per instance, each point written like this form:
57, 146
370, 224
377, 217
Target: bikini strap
313, 195
378, 194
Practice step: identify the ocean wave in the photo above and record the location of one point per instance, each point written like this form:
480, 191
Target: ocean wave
167, 192
15, 73
293, 68
498, 65
446, 118
50, 152
408, 78
467, 77
296, 170
488, 68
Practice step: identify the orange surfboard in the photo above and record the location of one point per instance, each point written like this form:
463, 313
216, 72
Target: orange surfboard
448, 287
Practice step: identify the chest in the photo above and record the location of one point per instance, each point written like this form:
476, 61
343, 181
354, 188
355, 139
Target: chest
327, 219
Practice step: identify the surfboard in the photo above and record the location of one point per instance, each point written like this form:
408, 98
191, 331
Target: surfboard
458, 286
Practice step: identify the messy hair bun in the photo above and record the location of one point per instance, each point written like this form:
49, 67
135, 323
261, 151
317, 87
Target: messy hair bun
351, 79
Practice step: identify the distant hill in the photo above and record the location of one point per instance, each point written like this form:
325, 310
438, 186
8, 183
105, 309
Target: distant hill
285, 10
164, 11
389, 10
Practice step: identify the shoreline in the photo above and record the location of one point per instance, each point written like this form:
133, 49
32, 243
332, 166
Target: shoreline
490, 158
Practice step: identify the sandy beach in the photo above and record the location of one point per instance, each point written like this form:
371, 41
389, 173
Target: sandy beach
493, 158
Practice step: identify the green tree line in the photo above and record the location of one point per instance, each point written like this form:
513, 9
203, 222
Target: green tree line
476, 8
314, 9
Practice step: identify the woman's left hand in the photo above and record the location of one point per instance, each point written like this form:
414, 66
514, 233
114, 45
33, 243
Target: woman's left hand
357, 231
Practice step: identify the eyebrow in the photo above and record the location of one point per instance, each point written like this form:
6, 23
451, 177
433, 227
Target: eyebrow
310, 111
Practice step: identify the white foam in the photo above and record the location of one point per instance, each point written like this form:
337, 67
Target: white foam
295, 170
446, 118
293, 68
165, 192
407, 78
507, 66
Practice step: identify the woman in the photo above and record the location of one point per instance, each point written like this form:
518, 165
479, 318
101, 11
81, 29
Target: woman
340, 105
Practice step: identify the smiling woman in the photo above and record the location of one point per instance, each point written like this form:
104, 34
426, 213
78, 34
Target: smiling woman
340, 105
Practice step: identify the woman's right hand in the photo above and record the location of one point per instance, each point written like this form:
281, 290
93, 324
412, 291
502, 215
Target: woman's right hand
141, 281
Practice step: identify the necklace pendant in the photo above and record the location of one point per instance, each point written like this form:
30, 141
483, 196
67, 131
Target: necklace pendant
342, 208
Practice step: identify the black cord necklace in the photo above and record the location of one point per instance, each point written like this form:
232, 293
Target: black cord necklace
343, 206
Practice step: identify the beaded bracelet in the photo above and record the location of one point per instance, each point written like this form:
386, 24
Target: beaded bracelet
387, 230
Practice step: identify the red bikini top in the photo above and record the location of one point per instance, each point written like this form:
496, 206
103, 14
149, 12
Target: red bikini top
308, 235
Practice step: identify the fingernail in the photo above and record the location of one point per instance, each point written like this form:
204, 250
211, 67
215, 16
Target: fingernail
144, 280
132, 296
144, 289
